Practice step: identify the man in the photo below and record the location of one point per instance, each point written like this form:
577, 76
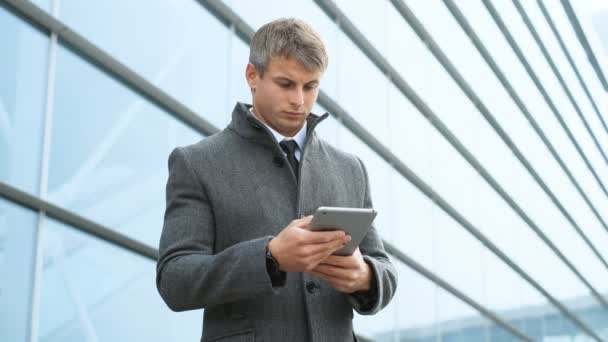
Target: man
235, 239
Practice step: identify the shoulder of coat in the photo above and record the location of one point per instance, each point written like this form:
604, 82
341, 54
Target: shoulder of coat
210, 145
338, 154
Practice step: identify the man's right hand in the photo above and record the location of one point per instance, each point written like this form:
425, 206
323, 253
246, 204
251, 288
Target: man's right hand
298, 249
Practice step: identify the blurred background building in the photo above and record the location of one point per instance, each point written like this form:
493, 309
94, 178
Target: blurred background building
483, 125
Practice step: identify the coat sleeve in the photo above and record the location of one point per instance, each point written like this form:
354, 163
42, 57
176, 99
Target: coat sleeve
384, 282
189, 274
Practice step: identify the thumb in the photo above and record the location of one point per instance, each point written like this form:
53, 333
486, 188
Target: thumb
304, 222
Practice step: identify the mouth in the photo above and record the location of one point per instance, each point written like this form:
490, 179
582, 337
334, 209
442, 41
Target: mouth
295, 114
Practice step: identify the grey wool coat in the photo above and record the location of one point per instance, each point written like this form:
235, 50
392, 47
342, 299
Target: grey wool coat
227, 196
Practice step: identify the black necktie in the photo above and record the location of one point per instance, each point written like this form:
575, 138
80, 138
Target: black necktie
290, 146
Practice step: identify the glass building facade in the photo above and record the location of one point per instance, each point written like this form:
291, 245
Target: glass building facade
483, 126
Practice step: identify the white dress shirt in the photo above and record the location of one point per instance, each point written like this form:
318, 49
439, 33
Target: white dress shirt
299, 138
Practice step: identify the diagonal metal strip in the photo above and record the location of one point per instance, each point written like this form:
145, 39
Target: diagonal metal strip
81, 223
582, 38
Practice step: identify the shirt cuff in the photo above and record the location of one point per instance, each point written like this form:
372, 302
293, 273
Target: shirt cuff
277, 277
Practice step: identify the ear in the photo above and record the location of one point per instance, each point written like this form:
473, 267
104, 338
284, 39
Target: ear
251, 74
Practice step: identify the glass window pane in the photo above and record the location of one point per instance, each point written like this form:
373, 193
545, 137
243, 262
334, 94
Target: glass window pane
564, 68
23, 71
94, 291
181, 47
109, 150
532, 52
536, 152
422, 311
566, 71
17, 260
572, 84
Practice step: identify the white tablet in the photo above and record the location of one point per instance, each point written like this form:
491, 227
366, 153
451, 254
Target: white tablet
356, 222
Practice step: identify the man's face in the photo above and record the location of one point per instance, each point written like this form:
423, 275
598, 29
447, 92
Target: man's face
284, 96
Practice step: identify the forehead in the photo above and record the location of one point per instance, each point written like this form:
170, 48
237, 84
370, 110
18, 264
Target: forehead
290, 68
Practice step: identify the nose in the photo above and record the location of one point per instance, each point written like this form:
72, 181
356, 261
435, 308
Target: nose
296, 97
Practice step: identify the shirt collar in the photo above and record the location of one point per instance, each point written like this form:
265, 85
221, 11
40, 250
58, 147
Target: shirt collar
299, 138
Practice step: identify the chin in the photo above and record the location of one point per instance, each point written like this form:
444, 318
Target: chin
291, 126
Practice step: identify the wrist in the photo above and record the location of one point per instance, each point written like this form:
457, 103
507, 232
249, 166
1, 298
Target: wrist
366, 283
271, 254
277, 277
270, 246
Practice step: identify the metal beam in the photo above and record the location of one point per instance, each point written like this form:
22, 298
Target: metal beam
78, 222
582, 38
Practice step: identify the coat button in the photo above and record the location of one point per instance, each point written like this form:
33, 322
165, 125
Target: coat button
311, 286
277, 161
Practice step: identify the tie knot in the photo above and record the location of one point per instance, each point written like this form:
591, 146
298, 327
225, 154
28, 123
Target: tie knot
289, 146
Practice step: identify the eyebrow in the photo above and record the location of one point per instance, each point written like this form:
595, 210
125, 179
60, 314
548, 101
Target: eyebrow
283, 78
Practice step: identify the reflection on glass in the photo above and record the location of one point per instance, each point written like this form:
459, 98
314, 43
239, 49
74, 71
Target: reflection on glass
23, 65
93, 291
17, 258
181, 47
419, 313
414, 308
109, 150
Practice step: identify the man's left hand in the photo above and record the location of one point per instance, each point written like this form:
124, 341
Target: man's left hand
346, 274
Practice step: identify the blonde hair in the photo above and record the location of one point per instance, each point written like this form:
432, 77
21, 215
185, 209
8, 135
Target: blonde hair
290, 38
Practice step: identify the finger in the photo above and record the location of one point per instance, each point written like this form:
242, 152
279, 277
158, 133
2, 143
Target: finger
323, 276
334, 272
337, 245
304, 222
320, 275
348, 262
301, 222
323, 237
336, 283
324, 249
318, 258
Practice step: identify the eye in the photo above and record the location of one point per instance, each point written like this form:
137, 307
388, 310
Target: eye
284, 84
311, 86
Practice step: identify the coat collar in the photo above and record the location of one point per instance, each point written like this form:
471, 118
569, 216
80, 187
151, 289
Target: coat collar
248, 126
